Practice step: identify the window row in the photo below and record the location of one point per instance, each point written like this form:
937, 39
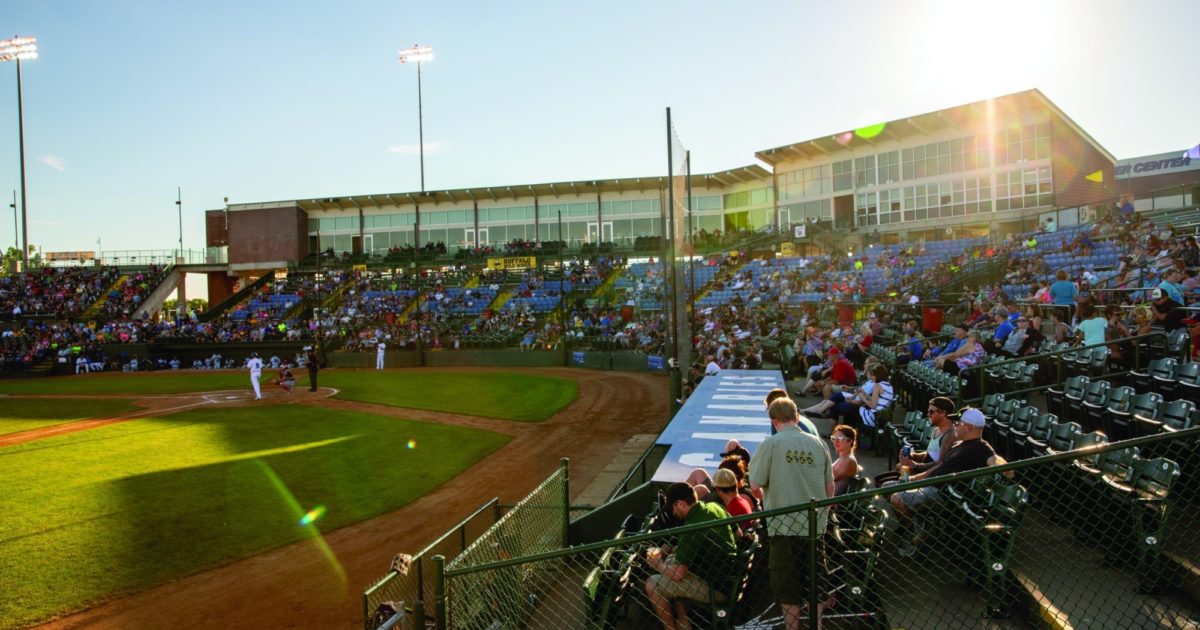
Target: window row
756, 197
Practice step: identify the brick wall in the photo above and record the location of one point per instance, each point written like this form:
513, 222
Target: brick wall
267, 235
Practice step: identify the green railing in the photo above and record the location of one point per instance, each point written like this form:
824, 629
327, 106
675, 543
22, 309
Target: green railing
979, 370
1099, 537
414, 584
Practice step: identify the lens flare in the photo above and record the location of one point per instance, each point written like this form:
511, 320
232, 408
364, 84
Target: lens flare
870, 131
412, 443
298, 512
313, 515
844, 138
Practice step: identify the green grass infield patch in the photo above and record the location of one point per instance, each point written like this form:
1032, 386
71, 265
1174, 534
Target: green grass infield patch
101, 513
23, 414
503, 395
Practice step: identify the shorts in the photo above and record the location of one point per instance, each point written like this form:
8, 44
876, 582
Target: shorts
914, 499
835, 388
691, 586
790, 565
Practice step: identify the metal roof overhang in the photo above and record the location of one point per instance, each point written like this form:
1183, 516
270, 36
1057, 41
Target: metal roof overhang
722, 179
967, 115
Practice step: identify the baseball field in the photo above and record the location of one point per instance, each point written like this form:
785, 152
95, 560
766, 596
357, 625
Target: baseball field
116, 484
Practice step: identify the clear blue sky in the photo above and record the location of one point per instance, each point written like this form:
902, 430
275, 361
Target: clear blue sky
264, 100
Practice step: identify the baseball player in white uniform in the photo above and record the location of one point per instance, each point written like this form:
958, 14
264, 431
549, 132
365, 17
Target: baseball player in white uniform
379, 348
256, 366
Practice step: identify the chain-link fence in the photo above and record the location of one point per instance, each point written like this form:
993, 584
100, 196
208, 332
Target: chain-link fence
501, 598
1087, 535
411, 578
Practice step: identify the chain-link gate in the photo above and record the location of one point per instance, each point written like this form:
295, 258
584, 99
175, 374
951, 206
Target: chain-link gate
1086, 534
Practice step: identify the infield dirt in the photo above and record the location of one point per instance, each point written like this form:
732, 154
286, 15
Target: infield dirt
297, 586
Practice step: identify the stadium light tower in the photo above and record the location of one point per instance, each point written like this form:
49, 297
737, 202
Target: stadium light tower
418, 54
18, 49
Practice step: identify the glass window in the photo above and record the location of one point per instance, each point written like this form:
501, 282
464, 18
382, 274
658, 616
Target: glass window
620, 208
645, 206
864, 171
314, 225
345, 223
843, 172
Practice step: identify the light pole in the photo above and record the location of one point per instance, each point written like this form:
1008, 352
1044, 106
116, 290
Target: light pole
418, 54
16, 226
179, 208
17, 49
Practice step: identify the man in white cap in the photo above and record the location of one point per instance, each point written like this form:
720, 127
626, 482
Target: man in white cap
1166, 310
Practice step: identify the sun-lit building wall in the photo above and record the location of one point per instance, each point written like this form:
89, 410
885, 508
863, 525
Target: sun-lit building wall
956, 173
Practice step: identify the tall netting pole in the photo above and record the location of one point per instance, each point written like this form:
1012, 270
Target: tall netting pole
678, 252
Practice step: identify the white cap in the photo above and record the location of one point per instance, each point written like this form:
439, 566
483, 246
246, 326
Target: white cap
973, 417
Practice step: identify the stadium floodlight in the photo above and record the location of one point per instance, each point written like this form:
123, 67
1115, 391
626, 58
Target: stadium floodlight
18, 49
417, 54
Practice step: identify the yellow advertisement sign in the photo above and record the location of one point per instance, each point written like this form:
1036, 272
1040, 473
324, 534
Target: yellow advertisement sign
787, 249
359, 267
514, 262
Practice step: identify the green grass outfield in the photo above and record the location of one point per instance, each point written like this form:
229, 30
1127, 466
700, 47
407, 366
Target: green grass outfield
23, 414
504, 395
100, 513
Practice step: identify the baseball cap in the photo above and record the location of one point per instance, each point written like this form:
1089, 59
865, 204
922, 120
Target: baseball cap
943, 403
973, 417
834, 350
1156, 294
725, 479
871, 315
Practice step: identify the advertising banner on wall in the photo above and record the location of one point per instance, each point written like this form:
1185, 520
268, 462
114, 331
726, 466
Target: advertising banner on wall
512, 262
1161, 164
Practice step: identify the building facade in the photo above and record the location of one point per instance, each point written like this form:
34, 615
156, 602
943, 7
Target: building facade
993, 165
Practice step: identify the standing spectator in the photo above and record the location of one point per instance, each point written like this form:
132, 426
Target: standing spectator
1062, 294
792, 468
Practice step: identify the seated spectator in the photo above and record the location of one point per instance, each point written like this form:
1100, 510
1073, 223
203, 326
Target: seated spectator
701, 564
839, 374
1004, 328
970, 453
845, 467
1166, 312
1092, 325
728, 488
952, 346
970, 353
940, 414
